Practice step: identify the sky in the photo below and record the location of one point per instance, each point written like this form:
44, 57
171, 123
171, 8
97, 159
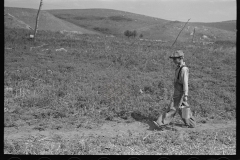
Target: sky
181, 10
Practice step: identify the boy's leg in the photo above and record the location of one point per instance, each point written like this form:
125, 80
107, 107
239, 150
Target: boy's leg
167, 116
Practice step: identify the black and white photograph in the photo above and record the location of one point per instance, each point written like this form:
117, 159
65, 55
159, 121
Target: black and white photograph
120, 77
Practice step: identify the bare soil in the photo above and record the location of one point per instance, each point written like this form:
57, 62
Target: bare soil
111, 129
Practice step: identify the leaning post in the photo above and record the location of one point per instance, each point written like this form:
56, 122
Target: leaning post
36, 26
180, 32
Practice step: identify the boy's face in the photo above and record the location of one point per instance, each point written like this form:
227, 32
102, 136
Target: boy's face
177, 60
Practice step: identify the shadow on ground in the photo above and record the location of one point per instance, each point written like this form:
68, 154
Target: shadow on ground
149, 121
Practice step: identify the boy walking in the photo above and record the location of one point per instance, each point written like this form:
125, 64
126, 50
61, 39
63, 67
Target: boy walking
180, 95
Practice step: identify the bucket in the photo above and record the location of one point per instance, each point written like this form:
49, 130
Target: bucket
185, 112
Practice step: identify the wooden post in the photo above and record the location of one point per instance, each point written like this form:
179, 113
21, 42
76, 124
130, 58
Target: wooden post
36, 26
193, 34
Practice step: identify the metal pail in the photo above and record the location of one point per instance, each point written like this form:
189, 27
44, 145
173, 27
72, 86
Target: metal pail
185, 112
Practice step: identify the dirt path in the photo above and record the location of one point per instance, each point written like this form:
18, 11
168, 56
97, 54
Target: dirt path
110, 129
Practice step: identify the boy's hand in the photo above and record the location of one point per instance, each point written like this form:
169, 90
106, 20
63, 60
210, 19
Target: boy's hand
185, 98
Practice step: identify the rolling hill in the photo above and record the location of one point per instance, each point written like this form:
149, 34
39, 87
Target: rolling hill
107, 21
225, 25
171, 29
114, 22
15, 17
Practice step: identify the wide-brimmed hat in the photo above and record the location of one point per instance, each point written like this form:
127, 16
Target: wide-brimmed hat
177, 54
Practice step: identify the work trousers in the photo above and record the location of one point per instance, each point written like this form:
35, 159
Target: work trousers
169, 114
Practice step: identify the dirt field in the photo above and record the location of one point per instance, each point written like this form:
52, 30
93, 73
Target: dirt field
111, 129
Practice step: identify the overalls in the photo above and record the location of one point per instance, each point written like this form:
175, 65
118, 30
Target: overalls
173, 108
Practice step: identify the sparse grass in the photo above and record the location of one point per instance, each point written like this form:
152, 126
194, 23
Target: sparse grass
206, 142
99, 78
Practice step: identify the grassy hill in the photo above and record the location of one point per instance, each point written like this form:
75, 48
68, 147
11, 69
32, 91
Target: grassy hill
107, 21
46, 21
98, 79
13, 22
105, 74
88, 94
225, 25
116, 22
203, 33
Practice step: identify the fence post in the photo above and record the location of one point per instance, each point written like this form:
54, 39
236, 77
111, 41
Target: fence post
36, 26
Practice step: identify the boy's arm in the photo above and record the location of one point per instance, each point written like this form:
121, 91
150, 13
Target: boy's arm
185, 74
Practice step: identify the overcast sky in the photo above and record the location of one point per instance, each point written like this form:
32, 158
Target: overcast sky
181, 10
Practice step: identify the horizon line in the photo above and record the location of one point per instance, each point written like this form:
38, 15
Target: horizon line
124, 11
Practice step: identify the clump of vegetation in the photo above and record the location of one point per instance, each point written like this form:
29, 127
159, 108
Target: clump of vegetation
130, 33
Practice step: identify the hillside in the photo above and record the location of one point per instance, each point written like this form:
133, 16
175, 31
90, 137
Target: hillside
100, 94
20, 16
13, 22
203, 33
107, 21
225, 25
115, 22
